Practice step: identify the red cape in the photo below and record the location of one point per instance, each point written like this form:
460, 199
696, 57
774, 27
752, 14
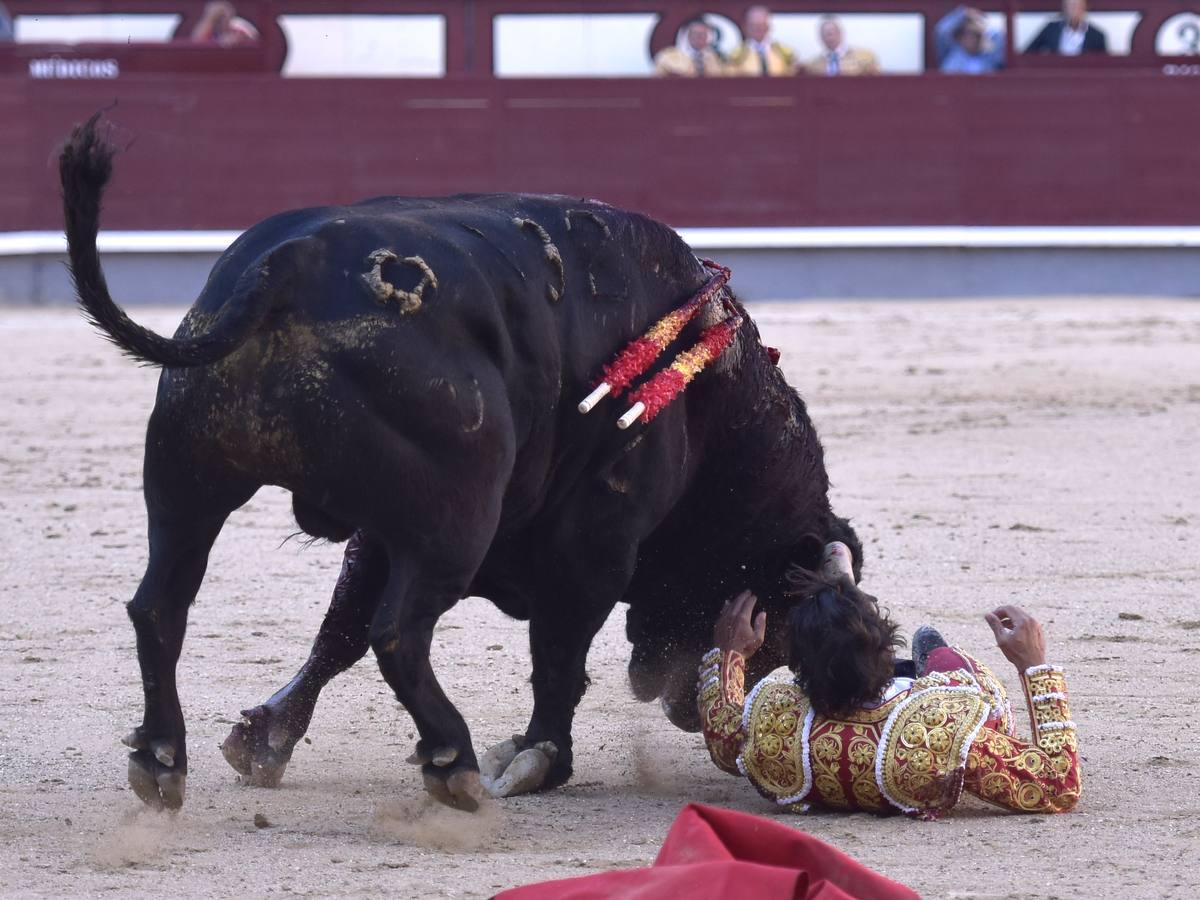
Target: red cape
725, 855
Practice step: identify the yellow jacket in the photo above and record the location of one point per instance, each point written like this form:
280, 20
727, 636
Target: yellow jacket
677, 63
853, 61
781, 60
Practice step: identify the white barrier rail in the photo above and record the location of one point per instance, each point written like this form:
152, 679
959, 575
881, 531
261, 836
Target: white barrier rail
43, 243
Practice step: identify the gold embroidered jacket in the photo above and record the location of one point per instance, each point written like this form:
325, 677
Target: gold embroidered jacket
853, 61
681, 64
745, 61
915, 752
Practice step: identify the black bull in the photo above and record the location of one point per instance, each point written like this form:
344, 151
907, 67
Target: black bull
409, 369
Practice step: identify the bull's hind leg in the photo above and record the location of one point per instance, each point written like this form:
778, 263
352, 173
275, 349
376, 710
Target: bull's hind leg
434, 504
180, 540
261, 745
416, 596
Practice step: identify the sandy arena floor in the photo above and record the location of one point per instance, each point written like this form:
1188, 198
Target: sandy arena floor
1043, 453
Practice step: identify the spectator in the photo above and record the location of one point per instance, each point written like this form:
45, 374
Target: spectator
1071, 34
698, 60
6, 25
220, 24
758, 54
965, 44
837, 58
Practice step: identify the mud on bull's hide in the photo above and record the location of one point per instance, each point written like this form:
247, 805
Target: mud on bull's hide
385, 290
555, 259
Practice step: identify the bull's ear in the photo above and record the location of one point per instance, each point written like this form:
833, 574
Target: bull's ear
809, 552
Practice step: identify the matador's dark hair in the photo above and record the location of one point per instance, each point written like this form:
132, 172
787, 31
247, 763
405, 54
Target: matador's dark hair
842, 646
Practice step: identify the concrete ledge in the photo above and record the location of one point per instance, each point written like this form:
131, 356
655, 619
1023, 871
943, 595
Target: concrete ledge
768, 263
943, 237
918, 273
27, 243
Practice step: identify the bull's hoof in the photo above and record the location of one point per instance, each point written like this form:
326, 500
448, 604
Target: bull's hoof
259, 753
684, 716
157, 770
511, 768
458, 788
157, 785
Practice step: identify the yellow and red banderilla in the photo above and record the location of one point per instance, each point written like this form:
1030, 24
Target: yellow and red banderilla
641, 353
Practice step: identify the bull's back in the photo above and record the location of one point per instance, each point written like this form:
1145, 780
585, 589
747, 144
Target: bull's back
447, 319
542, 289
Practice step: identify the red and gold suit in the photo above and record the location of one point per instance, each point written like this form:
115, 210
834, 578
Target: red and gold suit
926, 741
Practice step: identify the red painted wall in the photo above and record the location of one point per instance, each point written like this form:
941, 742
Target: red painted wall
1030, 147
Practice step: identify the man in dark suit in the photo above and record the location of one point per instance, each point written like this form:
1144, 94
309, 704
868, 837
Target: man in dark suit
1070, 35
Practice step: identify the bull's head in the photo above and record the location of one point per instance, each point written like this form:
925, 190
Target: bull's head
811, 599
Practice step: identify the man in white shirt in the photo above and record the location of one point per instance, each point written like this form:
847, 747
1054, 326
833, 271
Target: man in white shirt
1070, 35
838, 59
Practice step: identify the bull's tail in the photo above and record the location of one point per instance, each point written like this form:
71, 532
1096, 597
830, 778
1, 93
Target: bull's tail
85, 167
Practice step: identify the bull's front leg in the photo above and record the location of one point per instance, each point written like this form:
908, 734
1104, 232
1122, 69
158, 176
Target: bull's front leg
561, 628
261, 745
543, 757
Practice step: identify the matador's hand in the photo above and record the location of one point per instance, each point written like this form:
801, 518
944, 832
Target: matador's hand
1018, 635
738, 629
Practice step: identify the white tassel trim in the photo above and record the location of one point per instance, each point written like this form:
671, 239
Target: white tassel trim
1055, 726
966, 751
705, 685
806, 787
1007, 716
1044, 667
710, 666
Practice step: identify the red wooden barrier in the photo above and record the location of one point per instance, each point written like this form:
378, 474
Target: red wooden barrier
1030, 148
1099, 142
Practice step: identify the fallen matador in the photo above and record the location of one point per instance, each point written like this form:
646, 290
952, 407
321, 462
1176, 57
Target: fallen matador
840, 736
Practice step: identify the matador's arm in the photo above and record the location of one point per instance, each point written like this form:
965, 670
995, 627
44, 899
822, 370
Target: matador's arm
1041, 777
721, 697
